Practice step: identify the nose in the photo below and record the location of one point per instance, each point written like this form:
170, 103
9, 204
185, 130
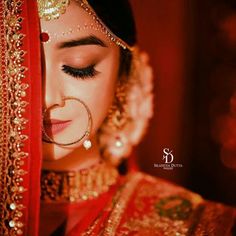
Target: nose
52, 86
53, 92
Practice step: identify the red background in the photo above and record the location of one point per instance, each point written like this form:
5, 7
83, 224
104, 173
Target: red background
188, 43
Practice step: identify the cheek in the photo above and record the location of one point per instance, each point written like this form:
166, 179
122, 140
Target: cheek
98, 92
101, 103
103, 94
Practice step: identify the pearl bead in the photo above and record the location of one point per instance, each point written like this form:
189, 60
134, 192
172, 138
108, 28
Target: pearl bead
21, 189
12, 223
87, 144
119, 143
12, 206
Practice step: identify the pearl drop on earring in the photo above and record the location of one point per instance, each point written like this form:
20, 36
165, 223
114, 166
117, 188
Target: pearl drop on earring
87, 144
118, 142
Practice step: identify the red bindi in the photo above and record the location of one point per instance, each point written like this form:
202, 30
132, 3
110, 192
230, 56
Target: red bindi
44, 37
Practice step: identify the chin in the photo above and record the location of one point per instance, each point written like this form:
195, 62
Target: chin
52, 152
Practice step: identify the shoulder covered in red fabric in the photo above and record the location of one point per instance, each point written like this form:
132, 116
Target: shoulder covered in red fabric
157, 207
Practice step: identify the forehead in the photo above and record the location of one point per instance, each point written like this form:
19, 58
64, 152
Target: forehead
73, 23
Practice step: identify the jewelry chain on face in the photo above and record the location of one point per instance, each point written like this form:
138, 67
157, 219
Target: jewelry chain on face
104, 29
49, 10
78, 28
88, 129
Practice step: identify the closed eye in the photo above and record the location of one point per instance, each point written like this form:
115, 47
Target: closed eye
83, 73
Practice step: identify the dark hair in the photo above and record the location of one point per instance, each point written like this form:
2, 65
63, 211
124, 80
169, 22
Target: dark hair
118, 17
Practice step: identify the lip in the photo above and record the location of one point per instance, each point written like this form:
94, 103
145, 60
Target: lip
54, 126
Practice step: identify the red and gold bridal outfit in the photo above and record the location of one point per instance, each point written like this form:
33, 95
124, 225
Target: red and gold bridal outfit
20, 118
136, 204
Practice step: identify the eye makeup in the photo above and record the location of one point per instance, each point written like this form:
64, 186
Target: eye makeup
82, 73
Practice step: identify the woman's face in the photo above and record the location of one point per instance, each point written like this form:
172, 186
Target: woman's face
81, 62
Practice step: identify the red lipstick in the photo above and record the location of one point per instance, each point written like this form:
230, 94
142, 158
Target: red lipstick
54, 126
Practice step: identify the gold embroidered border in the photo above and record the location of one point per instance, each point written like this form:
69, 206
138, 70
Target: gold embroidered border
13, 92
120, 205
117, 206
3, 120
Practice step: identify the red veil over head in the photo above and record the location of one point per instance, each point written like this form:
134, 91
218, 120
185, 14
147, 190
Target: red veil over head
20, 122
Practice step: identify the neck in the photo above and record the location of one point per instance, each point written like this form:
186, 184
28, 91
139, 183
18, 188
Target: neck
78, 159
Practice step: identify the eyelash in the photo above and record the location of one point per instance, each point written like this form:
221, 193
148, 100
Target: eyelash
82, 73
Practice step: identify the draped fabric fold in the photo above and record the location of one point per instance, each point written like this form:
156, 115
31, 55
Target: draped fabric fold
20, 117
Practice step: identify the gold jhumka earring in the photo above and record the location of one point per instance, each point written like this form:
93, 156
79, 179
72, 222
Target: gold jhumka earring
118, 115
129, 115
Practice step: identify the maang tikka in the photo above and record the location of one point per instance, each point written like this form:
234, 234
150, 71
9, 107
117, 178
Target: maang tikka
53, 9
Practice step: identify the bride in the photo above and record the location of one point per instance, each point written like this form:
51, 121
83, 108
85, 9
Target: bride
96, 102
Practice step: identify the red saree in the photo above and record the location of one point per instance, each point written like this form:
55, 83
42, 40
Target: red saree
140, 204
20, 100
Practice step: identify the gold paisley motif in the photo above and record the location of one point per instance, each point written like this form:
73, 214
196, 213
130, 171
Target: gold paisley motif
52, 9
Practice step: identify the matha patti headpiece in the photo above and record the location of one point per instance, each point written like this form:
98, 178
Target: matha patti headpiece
52, 9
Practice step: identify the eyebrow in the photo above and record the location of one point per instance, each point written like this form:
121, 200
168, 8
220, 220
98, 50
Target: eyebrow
89, 40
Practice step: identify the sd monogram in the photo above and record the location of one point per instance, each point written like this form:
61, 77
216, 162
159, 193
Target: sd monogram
168, 156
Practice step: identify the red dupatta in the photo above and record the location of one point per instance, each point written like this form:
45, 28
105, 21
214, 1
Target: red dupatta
20, 122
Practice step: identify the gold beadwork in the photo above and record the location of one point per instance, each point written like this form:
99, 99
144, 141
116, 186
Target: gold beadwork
118, 116
61, 35
73, 186
117, 206
52, 9
121, 204
12, 121
104, 29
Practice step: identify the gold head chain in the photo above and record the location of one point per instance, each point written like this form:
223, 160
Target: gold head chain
53, 9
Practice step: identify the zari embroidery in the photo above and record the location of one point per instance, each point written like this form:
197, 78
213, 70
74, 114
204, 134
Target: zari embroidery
3, 121
13, 92
127, 217
174, 207
120, 205
159, 209
52, 9
153, 224
116, 208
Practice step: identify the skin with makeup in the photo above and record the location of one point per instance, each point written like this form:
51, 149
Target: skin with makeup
81, 63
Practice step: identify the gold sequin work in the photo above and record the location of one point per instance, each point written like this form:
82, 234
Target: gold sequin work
147, 206
52, 9
13, 90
